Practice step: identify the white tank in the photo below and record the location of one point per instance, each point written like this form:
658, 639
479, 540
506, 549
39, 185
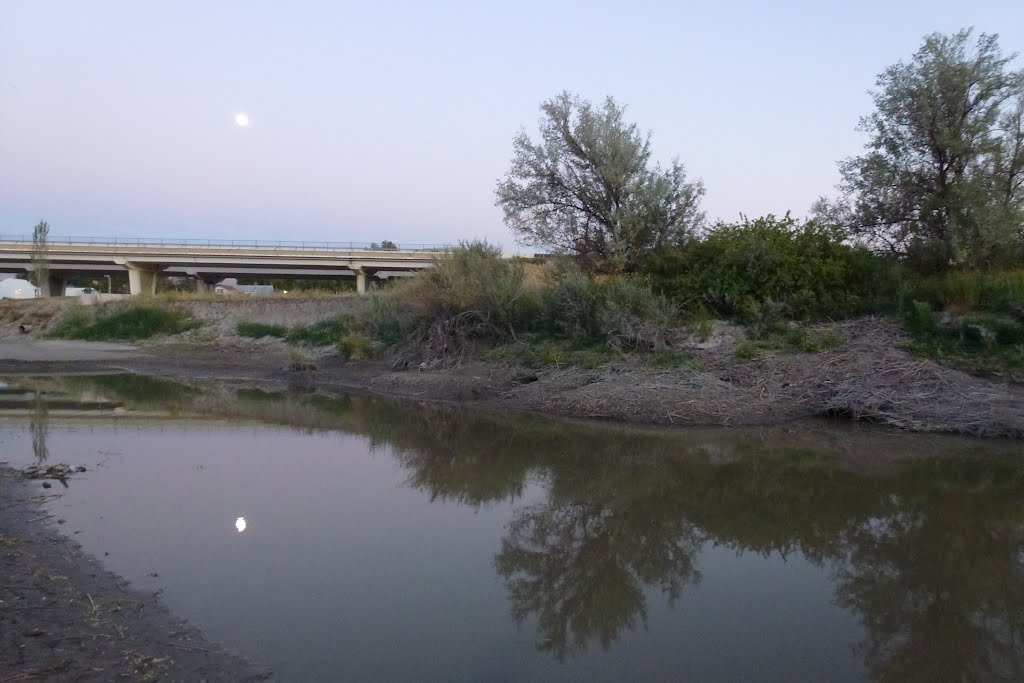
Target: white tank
14, 288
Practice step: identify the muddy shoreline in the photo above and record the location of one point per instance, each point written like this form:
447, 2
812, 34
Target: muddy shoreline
64, 617
869, 377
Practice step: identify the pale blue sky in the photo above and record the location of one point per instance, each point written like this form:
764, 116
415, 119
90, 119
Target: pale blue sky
393, 120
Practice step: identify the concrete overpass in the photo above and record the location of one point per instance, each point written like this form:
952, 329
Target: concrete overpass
211, 260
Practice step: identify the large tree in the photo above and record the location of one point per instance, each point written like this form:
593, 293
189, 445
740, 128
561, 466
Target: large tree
40, 250
942, 178
589, 188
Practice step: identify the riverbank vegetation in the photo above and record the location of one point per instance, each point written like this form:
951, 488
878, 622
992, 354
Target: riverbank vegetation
122, 322
928, 230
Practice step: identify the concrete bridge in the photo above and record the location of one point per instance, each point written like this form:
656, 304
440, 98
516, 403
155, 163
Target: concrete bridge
211, 260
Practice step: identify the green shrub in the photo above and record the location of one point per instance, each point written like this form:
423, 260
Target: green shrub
808, 268
126, 323
799, 338
570, 307
980, 340
355, 347
472, 278
703, 324
921, 320
748, 349
634, 317
75, 321
764, 318
623, 313
321, 333
383, 322
993, 292
542, 353
792, 338
260, 330
299, 361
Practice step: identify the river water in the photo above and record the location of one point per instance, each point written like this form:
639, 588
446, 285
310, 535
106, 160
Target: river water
337, 537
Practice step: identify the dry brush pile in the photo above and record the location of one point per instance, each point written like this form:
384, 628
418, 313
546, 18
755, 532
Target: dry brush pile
868, 377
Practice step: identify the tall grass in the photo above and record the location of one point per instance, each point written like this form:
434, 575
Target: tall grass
124, 323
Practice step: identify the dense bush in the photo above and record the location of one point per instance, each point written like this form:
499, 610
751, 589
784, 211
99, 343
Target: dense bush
974, 320
125, 323
475, 277
964, 291
473, 283
808, 268
355, 347
622, 313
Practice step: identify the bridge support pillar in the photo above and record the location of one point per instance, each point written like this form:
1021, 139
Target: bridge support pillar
202, 286
141, 281
360, 281
52, 285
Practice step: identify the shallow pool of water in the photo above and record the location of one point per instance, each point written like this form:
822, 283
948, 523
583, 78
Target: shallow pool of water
347, 537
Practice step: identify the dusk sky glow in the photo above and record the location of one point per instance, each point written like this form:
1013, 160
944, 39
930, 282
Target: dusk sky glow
393, 120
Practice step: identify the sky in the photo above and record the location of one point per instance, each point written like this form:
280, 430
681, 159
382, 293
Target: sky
394, 120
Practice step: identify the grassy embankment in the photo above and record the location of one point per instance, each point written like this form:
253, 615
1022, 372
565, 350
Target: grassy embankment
779, 281
776, 280
121, 323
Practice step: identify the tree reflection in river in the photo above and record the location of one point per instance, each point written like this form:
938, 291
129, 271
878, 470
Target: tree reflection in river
39, 425
937, 576
580, 564
928, 553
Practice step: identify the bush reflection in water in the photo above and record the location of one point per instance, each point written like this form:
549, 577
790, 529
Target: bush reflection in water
928, 552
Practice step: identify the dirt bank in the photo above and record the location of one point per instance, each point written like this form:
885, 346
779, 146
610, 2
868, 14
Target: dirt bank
868, 375
65, 618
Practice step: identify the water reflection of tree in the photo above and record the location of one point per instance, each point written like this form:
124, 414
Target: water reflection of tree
931, 557
581, 561
580, 564
39, 425
938, 578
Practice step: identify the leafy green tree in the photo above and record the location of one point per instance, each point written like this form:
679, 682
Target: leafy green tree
589, 188
942, 179
40, 248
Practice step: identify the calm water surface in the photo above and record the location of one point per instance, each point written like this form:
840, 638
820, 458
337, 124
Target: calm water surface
344, 537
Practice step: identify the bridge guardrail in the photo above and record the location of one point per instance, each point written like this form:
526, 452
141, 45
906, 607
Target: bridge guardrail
239, 244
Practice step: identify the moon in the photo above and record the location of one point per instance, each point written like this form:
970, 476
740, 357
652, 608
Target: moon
242, 120
240, 524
